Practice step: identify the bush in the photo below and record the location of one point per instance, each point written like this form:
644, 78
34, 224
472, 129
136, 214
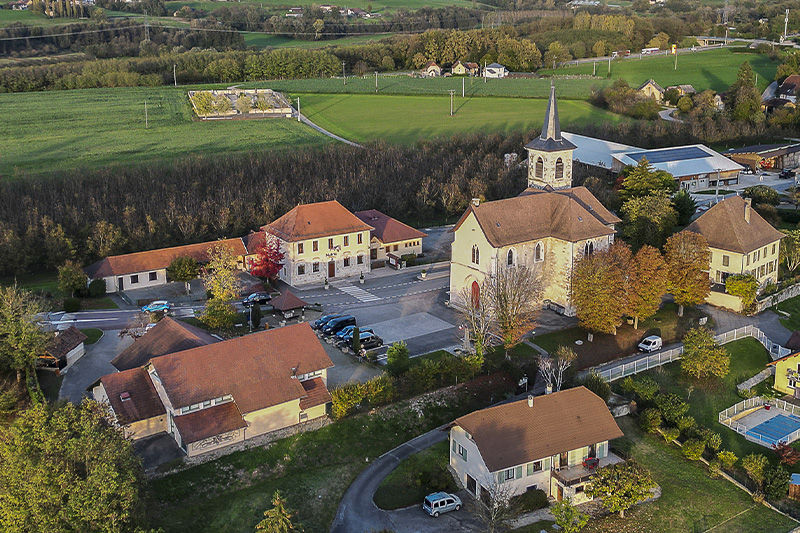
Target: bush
397, 359
746, 393
776, 482
728, 459
693, 449
712, 439
345, 399
745, 286
650, 420
671, 407
670, 434
755, 465
645, 388
685, 423
595, 383
714, 468
410, 259
530, 500
71, 305
762, 194
97, 288
380, 390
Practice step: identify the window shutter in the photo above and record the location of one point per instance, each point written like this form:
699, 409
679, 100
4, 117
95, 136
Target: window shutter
530, 469
465, 454
518, 473
546, 464
500, 479
455, 450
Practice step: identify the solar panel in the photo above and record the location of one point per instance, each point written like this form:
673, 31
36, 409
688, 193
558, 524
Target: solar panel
670, 154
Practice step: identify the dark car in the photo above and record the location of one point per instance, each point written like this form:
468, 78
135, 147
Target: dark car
321, 321
371, 341
257, 297
786, 174
338, 323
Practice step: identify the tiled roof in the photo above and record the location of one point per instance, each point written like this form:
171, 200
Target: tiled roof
550, 139
388, 229
256, 369
794, 342
725, 228
310, 221
253, 240
513, 433
120, 265
569, 214
287, 301
168, 336
141, 401
209, 422
64, 342
316, 393
652, 82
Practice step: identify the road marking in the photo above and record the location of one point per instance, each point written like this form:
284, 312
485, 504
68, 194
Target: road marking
358, 293
75, 320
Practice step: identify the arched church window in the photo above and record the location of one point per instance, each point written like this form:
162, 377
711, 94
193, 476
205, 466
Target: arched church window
476, 254
476, 295
538, 253
510, 258
559, 169
588, 248
539, 168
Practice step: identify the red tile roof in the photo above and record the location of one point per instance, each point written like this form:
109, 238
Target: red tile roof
119, 265
142, 400
64, 342
168, 336
256, 369
209, 422
253, 240
309, 221
388, 229
287, 301
316, 393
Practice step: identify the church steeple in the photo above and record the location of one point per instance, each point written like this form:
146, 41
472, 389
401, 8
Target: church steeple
550, 155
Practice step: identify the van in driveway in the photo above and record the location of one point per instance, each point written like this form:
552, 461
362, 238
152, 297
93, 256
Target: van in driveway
440, 502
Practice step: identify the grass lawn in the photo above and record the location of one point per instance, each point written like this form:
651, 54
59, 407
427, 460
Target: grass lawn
791, 306
690, 500
104, 302
433, 356
405, 485
407, 119
10, 16
50, 384
93, 335
62, 130
712, 69
666, 323
541, 525
311, 469
45, 283
378, 6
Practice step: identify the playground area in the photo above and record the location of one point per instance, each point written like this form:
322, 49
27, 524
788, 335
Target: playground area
765, 422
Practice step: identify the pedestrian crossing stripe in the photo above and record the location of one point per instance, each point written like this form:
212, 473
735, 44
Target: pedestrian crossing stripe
359, 293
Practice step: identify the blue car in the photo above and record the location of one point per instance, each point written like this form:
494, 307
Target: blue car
344, 332
321, 321
347, 337
158, 305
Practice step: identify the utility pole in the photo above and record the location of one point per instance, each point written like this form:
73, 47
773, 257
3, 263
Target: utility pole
594, 68
463, 85
484, 71
676, 59
175, 74
726, 35
146, 123
452, 92
298, 109
376, 82
344, 76
609, 64
786, 26
146, 28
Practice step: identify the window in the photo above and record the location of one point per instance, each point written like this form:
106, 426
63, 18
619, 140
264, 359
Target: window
510, 258
747, 260
559, 169
771, 267
756, 256
538, 252
725, 260
765, 251
459, 450
347, 240
360, 238
206, 403
315, 246
135, 279
360, 260
534, 467
540, 168
508, 474
395, 248
300, 248
347, 261
588, 248
476, 295
315, 266
153, 276
301, 269
330, 244
476, 254
773, 248
579, 489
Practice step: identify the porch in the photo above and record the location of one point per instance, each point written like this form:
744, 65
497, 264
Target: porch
575, 475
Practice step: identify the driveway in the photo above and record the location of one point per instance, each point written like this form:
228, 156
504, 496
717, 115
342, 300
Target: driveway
768, 322
347, 368
95, 364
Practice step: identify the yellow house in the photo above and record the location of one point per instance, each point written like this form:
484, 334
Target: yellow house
459, 69
321, 241
787, 374
547, 227
652, 90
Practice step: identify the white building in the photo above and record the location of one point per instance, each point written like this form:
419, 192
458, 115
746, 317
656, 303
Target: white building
495, 70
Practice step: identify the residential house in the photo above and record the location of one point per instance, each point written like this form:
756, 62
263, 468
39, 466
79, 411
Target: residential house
295, 12
652, 90
787, 374
788, 88
356, 12
547, 227
683, 90
65, 349
741, 242
225, 392
431, 70
459, 69
148, 269
321, 241
390, 237
495, 70
538, 443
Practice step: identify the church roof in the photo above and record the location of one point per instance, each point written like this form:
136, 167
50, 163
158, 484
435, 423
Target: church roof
571, 215
550, 139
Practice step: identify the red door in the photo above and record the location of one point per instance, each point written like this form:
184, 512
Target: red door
332, 269
476, 294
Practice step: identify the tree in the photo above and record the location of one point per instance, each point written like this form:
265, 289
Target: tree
790, 250
496, 506
787, 455
218, 314
243, 103
643, 180
647, 283
776, 482
221, 102
552, 368
255, 315
672, 407
397, 359
688, 259
595, 383
599, 49
68, 469
269, 259
684, 206
279, 518
556, 53
621, 486
356, 340
684, 104
513, 295
183, 268
22, 341
702, 356
319, 25
477, 320
745, 286
71, 278
762, 194
105, 238
568, 517
220, 277
648, 220
598, 288
727, 459
743, 97
755, 466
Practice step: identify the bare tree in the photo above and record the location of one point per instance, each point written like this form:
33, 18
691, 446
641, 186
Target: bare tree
478, 319
552, 368
513, 295
495, 506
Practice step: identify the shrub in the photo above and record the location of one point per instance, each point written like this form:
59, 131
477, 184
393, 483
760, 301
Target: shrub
728, 459
671, 407
97, 288
714, 467
650, 420
380, 390
645, 388
397, 359
762, 194
755, 464
787, 455
530, 500
746, 393
71, 305
745, 286
776, 482
410, 259
595, 383
758, 497
346, 398
685, 423
693, 449
422, 376
670, 434
712, 439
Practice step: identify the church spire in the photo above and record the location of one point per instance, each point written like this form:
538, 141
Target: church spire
551, 128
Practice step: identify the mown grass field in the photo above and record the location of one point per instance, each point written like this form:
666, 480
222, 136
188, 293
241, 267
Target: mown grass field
378, 6
407, 119
61, 130
10, 16
712, 69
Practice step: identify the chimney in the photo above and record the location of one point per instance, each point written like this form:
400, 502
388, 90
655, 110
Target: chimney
124, 396
530, 400
748, 205
476, 202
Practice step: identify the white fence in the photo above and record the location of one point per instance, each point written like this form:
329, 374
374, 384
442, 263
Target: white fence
725, 418
646, 362
778, 297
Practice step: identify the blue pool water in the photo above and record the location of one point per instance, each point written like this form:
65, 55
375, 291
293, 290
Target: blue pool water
775, 429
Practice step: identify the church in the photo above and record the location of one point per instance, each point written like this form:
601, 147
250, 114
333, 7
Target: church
548, 227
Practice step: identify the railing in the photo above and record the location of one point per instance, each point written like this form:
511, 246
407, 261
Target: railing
726, 416
742, 406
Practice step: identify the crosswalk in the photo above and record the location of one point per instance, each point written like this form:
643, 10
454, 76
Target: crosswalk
358, 293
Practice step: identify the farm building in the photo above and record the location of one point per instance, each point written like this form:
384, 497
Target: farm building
772, 156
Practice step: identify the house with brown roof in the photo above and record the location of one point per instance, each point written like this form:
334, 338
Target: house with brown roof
64, 349
390, 237
321, 241
147, 269
539, 443
224, 392
547, 227
431, 70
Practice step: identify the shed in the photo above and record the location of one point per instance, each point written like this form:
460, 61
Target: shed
794, 487
287, 302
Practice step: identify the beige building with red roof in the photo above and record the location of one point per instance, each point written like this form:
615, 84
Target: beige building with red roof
390, 238
539, 443
321, 241
219, 393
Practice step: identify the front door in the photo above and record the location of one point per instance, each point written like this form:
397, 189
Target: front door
592, 451
120, 284
562, 461
472, 486
559, 493
332, 269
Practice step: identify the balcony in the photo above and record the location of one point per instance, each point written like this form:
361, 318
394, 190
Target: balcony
575, 475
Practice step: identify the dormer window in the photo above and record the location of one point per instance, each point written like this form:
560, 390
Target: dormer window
125, 396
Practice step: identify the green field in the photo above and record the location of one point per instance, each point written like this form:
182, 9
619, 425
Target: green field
10, 16
45, 131
263, 40
378, 6
407, 119
713, 69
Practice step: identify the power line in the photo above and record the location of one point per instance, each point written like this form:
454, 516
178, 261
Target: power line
69, 33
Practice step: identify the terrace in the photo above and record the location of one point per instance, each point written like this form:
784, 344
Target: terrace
575, 475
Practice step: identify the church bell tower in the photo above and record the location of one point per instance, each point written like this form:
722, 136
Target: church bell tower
550, 155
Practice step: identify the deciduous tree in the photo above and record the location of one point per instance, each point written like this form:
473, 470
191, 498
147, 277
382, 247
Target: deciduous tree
397, 359
105, 238
621, 486
745, 286
755, 465
496, 506
568, 517
71, 278
790, 250
552, 368
183, 268
647, 283
513, 295
648, 219
688, 258
22, 340
220, 276
702, 356
477, 320
269, 259
598, 288
279, 518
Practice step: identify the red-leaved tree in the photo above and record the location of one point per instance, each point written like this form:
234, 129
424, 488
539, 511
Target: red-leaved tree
786, 454
269, 259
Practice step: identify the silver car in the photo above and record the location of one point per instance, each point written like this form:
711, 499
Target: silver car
441, 502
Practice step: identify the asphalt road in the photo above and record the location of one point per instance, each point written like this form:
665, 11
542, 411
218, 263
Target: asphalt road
111, 319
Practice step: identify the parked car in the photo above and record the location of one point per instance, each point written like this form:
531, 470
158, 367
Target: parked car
370, 341
650, 344
321, 321
344, 331
786, 174
158, 305
257, 297
335, 325
440, 502
746, 170
346, 334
